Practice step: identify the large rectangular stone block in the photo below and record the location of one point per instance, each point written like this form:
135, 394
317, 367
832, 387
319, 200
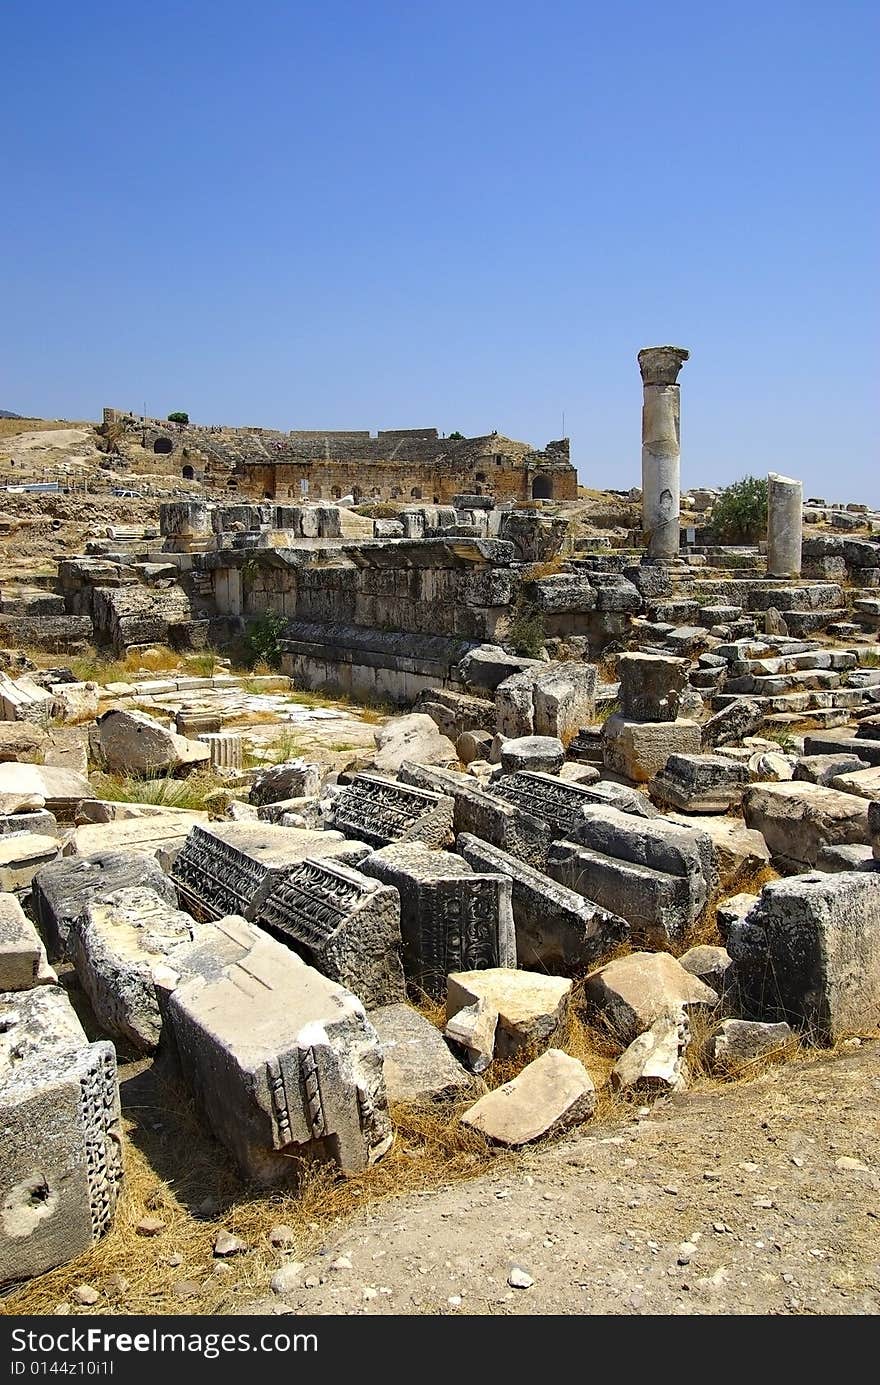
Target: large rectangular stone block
61, 1163
119, 944
798, 820
639, 749
809, 952
282, 1061
557, 929
381, 811
23, 961
342, 922
62, 889
231, 868
451, 918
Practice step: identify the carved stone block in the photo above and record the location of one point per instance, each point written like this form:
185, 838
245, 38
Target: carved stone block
61, 1166
381, 811
282, 1061
342, 922
451, 918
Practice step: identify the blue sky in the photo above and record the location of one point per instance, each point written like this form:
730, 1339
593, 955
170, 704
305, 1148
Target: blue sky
464, 215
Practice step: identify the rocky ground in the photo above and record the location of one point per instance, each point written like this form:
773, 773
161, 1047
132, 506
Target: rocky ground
762, 1198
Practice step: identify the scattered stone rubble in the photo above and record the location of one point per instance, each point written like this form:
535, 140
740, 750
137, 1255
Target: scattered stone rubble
689, 751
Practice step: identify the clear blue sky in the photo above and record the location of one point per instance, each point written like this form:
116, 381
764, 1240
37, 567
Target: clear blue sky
464, 215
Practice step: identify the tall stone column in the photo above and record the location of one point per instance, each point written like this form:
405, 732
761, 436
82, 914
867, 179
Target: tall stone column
785, 523
661, 448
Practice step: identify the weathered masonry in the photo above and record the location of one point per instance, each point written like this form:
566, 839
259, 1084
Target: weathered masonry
395, 464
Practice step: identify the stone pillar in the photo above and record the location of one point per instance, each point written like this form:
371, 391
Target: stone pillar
661, 448
785, 521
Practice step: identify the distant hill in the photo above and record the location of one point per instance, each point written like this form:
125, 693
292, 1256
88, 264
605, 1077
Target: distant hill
4, 413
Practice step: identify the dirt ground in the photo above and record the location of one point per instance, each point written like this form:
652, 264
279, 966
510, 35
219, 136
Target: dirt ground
730, 1202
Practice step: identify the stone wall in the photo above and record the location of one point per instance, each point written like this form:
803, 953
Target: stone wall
404, 464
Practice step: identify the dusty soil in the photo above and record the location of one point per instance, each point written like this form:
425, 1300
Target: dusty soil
742, 1184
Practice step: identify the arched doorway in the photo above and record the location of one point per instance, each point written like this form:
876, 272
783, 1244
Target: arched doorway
163, 445
542, 488
188, 473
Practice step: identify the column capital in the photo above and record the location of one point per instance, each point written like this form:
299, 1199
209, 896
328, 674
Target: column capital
660, 364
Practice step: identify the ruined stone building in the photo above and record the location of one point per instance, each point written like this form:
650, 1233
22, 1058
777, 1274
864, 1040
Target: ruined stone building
396, 464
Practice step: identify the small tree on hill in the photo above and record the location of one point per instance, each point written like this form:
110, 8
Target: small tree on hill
178, 417
739, 515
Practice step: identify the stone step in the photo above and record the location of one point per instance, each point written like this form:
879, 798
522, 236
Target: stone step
827, 717
846, 699
865, 748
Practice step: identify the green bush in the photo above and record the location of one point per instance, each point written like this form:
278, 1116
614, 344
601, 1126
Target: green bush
456, 436
527, 632
178, 417
739, 515
263, 638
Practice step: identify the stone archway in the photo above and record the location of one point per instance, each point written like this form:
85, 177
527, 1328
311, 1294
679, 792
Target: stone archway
188, 473
542, 488
163, 445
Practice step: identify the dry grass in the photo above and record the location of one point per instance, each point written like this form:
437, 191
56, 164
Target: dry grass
161, 790
172, 1167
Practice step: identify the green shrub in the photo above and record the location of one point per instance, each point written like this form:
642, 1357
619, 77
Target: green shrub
527, 632
739, 515
263, 638
178, 417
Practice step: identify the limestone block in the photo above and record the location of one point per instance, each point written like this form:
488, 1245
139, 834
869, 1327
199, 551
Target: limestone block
117, 945
550, 1095
863, 782
21, 740
557, 930
739, 851
283, 1062
809, 953
75, 701
23, 961
650, 686
61, 1166
655, 1061
133, 743
628, 994
532, 1008
711, 965
379, 811
824, 769
639, 749
543, 754
798, 819
846, 858
472, 1029
486, 666
514, 705
59, 790
343, 923
654, 873
232, 867
700, 783
418, 1065
22, 854
451, 918
741, 1043
293, 779
21, 699
414, 737
62, 890
735, 721
161, 834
